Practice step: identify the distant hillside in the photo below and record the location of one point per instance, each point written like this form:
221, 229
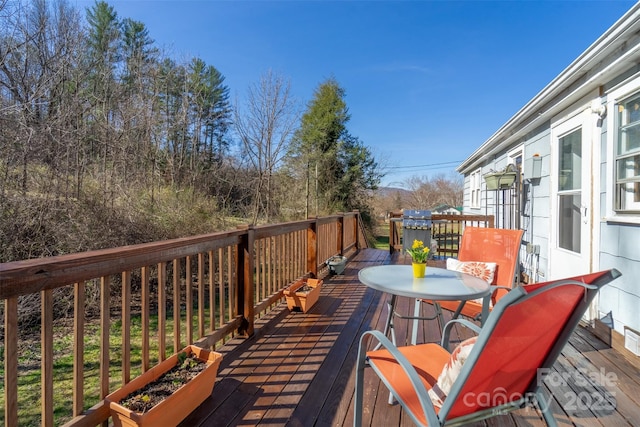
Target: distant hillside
391, 192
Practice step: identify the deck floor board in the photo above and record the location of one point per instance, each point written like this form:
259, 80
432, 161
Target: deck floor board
299, 368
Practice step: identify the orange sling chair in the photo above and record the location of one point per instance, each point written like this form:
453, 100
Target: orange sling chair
498, 245
505, 367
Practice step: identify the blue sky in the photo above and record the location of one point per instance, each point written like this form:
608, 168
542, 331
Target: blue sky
426, 82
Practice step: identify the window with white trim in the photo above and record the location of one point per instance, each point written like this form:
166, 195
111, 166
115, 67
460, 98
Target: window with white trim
627, 165
475, 180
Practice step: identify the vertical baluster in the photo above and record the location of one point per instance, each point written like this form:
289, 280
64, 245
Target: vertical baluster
189, 301
176, 306
105, 315
257, 270
11, 361
200, 295
270, 269
279, 275
144, 286
126, 327
222, 298
162, 312
46, 340
212, 293
230, 286
78, 348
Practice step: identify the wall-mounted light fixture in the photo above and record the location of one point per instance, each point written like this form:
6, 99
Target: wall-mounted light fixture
533, 167
598, 108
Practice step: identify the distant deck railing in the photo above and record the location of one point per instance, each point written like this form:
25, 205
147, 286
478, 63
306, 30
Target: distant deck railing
201, 290
446, 230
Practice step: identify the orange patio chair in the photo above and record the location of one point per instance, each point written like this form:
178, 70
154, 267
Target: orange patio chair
500, 370
479, 246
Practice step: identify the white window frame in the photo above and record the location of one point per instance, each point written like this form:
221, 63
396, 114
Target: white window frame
513, 155
615, 97
475, 188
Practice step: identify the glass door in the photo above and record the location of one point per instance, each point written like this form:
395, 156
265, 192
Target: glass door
571, 201
570, 207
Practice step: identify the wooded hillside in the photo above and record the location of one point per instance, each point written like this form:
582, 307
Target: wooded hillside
105, 140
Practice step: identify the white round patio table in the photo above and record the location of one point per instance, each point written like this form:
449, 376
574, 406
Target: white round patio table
439, 284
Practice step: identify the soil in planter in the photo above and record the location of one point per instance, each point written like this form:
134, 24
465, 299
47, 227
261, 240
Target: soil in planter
145, 398
304, 288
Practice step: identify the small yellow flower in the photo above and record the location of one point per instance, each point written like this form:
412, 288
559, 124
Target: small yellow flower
419, 253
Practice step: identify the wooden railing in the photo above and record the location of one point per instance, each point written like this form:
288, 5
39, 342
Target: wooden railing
200, 290
446, 230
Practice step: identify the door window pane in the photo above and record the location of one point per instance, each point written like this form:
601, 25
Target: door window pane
570, 165
569, 221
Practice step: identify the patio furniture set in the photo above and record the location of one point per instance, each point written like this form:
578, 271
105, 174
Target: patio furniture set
499, 370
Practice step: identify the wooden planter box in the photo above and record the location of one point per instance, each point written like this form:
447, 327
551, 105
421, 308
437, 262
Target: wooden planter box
174, 408
299, 300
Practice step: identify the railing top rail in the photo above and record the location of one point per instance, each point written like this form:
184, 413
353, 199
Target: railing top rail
33, 275
270, 230
450, 217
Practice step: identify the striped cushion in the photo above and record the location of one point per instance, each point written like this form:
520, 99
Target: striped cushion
450, 372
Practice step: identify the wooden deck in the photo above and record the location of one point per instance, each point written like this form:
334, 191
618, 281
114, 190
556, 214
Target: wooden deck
298, 370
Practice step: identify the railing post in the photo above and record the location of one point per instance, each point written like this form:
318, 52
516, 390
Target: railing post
312, 248
340, 234
357, 226
394, 236
11, 361
244, 273
391, 235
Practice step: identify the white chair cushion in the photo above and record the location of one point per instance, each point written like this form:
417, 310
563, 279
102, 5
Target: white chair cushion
450, 372
483, 270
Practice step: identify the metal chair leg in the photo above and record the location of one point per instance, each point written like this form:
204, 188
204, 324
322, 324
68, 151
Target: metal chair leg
388, 325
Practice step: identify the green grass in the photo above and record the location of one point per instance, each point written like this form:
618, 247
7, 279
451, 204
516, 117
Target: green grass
382, 236
29, 368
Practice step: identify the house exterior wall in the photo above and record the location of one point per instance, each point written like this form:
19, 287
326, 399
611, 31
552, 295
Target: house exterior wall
619, 245
603, 75
619, 240
537, 207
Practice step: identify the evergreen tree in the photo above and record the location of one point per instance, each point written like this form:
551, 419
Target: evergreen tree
322, 126
340, 170
360, 175
210, 108
104, 50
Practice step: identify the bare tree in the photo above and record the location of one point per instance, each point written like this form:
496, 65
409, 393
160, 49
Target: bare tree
265, 127
440, 189
39, 47
450, 188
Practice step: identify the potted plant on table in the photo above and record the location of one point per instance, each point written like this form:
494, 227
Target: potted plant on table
419, 255
168, 392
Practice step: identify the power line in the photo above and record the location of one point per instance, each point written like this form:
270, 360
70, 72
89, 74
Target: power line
432, 165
